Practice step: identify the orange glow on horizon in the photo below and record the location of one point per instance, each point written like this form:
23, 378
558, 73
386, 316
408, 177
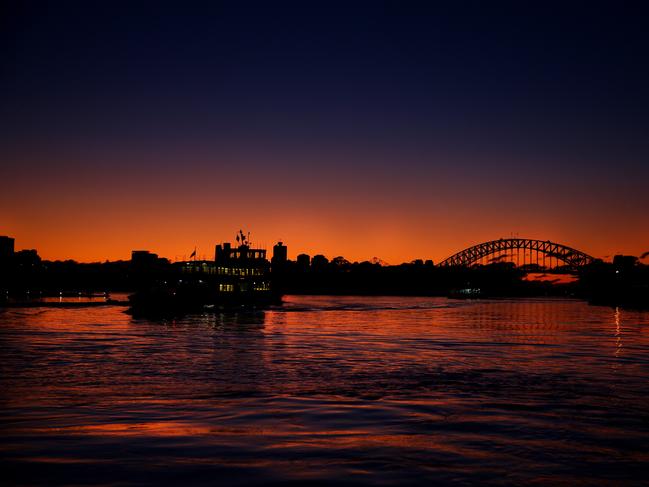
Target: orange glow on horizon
103, 212
394, 239
389, 241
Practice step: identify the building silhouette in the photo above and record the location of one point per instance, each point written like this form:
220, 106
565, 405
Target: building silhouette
319, 262
303, 261
27, 258
143, 258
280, 255
6, 248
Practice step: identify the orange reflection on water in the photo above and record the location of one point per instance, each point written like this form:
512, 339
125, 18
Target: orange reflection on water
333, 387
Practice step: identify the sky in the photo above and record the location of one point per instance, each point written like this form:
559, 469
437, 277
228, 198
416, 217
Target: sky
398, 130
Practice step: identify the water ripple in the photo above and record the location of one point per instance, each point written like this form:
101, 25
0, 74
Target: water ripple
344, 390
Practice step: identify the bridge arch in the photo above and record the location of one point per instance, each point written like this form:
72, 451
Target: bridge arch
469, 256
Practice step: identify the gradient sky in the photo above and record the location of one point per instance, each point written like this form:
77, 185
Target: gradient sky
388, 129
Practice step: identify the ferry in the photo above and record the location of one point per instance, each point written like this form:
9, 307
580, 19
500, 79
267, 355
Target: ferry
238, 277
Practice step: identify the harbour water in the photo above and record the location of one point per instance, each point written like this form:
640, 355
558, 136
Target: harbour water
328, 390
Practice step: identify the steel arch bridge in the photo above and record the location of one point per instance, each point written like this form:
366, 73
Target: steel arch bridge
568, 256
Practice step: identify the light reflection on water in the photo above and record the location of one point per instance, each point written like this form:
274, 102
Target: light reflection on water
331, 389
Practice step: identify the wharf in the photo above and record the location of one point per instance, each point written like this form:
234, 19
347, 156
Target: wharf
64, 304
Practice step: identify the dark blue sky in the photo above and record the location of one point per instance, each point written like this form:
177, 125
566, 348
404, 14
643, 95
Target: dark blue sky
391, 68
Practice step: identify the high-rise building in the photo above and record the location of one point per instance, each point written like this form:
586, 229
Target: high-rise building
280, 254
6, 248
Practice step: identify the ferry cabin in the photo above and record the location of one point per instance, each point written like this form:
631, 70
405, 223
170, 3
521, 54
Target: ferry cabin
234, 269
